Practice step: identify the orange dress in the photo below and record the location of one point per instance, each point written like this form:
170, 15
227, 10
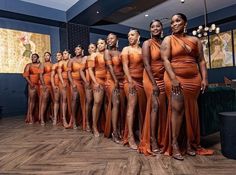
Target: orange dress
184, 64
116, 63
33, 74
136, 67
47, 80
64, 73
157, 68
78, 81
100, 72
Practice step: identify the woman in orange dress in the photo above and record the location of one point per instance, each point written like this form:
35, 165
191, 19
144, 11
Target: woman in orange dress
84, 72
46, 88
31, 74
133, 85
97, 72
114, 88
65, 91
185, 76
56, 91
155, 119
77, 87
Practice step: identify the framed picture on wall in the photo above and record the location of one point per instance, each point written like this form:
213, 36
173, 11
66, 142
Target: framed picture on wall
16, 48
221, 50
204, 41
234, 34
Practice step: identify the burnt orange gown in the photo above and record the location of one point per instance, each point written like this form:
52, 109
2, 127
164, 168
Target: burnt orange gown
47, 80
157, 68
136, 68
116, 63
33, 74
184, 64
100, 72
64, 73
78, 81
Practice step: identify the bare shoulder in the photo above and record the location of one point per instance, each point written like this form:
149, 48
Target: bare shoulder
125, 50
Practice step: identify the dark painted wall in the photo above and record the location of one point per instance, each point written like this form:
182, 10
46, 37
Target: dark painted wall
12, 86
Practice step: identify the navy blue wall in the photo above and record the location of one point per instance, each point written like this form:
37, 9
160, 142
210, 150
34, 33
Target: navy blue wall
12, 86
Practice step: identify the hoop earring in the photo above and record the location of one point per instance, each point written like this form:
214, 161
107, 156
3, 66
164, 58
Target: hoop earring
117, 43
162, 34
150, 34
138, 40
82, 53
185, 29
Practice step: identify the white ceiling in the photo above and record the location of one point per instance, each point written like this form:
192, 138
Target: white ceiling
63, 5
191, 8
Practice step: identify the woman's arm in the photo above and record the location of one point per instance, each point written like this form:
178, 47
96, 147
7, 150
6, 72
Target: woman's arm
166, 57
81, 71
146, 61
26, 75
69, 66
202, 66
91, 65
125, 62
110, 68
41, 67
59, 71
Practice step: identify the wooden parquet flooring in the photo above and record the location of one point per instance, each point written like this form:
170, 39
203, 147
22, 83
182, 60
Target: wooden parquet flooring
33, 149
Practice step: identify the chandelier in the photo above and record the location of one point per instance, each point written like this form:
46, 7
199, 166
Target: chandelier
205, 30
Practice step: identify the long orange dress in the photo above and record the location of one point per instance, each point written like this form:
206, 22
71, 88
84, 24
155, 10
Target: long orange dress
136, 68
184, 64
116, 63
57, 82
100, 72
157, 68
47, 80
64, 68
75, 68
33, 72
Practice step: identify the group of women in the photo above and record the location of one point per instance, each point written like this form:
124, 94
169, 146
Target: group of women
147, 94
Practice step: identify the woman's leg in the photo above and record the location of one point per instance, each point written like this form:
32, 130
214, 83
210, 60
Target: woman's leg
64, 106
32, 101
75, 97
177, 102
56, 105
98, 99
132, 101
115, 113
89, 99
43, 106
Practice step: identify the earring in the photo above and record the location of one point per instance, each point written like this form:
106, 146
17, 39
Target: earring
162, 34
150, 34
138, 40
117, 43
185, 29
82, 52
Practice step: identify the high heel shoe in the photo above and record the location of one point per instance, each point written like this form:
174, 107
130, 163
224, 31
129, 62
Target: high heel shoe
176, 153
155, 148
190, 151
115, 138
132, 143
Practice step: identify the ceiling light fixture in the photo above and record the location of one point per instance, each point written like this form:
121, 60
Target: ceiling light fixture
146, 15
97, 12
205, 30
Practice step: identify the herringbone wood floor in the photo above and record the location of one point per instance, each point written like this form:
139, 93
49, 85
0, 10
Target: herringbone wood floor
33, 149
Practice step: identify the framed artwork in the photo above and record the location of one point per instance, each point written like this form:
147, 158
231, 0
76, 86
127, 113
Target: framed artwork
221, 50
234, 35
17, 46
205, 46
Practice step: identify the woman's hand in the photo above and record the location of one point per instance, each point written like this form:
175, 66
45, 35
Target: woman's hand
204, 85
156, 91
176, 87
